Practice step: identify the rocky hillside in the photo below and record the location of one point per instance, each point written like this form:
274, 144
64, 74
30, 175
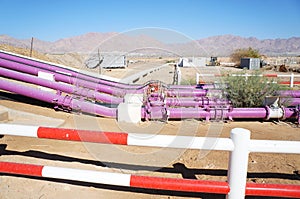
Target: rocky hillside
222, 45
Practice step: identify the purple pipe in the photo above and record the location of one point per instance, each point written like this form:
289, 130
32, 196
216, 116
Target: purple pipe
64, 78
186, 93
189, 102
92, 85
186, 113
248, 113
260, 113
290, 101
62, 101
68, 103
60, 87
289, 93
291, 113
57, 69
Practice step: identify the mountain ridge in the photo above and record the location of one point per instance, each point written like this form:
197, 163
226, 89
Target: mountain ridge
220, 45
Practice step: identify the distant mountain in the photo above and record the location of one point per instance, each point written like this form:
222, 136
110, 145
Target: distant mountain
225, 44
222, 45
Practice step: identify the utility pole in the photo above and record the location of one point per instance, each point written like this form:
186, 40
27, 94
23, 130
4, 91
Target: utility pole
100, 61
31, 46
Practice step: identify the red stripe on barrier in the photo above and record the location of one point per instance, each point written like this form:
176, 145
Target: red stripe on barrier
179, 184
82, 135
22, 169
278, 190
175, 184
270, 75
288, 82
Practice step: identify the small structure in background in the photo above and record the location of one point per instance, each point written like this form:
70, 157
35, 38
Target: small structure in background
106, 60
250, 63
113, 60
192, 62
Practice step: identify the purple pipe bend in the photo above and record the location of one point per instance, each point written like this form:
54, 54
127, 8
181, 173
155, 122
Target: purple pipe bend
60, 87
65, 101
56, 69
64, 78
83, 83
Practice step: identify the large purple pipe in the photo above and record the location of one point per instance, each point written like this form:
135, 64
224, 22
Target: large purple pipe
57, 69
175, 113
190, 102
60, 100
60, 77
290, 101
59, 86
99, 96
289, 93
235, 113
92, 85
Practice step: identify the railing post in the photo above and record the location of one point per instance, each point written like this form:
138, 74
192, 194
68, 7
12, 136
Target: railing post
292, 80
197, 78
238, 163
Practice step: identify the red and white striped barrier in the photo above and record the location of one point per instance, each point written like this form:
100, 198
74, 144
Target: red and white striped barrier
292, 77
147, 140
118, 179
129, 180
239, 144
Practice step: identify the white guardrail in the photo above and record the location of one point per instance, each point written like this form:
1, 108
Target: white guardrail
292, 76
134, 78
239, 144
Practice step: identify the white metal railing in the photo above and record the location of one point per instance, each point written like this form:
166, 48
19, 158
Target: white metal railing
292, 76
239, 144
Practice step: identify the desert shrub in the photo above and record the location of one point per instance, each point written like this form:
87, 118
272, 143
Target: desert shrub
170, 61
244, 52
249, 91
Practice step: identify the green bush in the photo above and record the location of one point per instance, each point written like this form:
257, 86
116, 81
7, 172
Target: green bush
249, 91
243, 53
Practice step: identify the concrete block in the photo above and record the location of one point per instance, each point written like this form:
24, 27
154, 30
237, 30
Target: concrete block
129, 112
46, 76
133, 99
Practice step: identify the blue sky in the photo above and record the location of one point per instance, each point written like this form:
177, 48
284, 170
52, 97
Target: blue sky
51, 20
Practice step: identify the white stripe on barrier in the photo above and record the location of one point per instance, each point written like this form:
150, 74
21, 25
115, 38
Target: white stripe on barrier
19, 130
274, 146
173, 141
187, 142
87, 176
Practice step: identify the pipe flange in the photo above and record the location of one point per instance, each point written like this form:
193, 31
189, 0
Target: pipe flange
268, 110
284, 114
